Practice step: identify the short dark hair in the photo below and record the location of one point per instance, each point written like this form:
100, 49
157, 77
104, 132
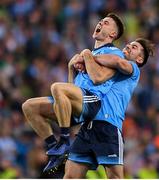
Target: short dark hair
148, 48
119, 23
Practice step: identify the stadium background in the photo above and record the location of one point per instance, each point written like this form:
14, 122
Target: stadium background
37, 39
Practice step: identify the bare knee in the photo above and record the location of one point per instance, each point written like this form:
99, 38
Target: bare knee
56, 89
25, 106
75, 170
115, 172
28, 107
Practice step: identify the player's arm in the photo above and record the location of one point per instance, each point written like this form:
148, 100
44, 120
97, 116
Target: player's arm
71, 70
113, 61
97, 73
71, 75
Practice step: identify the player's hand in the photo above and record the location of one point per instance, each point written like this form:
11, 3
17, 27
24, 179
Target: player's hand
75, 60
85, 53
80, 67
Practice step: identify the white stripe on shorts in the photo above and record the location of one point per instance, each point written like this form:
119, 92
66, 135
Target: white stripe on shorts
90, 98
121, 147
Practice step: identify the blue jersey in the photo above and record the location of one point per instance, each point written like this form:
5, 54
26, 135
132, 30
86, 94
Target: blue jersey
116, 100
83, 80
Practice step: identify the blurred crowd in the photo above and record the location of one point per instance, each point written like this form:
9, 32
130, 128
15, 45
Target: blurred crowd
37, 39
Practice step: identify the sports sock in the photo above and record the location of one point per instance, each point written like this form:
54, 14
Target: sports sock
65, 134
50, 141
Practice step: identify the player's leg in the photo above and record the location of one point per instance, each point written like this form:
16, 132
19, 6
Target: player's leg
75, 170
68, 101
110, 155
89, 106
56, 162
115, 171
80, 157
37, 111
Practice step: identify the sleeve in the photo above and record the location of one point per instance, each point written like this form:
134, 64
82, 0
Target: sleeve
136, 71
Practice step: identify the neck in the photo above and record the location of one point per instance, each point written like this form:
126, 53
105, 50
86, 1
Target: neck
101, 43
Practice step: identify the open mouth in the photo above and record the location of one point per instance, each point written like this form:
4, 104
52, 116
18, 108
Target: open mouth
98, 30
128, 49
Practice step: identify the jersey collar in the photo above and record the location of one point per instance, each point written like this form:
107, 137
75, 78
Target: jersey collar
105, 45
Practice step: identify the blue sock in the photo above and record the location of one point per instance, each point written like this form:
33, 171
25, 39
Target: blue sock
50, 141
65, 134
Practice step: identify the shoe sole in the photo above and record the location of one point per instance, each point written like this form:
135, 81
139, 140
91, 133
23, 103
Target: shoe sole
62, 160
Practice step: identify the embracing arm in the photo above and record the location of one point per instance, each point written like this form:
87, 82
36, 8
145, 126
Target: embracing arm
113, 61
98, 73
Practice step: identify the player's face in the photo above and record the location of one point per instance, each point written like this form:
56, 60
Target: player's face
133, 51
104, 29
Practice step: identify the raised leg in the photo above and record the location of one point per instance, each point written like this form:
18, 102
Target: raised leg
68, 100
37, 111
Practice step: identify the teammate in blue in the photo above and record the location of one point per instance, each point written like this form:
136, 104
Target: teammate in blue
71, 100
100, 140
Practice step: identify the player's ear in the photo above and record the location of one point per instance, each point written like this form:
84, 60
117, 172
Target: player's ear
140, 59
113, 35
